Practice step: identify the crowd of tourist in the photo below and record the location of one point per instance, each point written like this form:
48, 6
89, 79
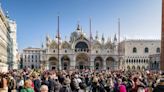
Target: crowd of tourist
81, 81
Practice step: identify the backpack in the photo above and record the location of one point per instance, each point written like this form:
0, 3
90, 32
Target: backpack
12, 84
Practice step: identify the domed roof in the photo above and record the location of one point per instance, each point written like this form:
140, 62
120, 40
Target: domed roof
65, 45
77, 34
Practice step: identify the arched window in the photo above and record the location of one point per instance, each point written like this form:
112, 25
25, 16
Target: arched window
134, 61
128, 67
133, 67
158, 50
81, 45
134, 50
146, 50
127, 61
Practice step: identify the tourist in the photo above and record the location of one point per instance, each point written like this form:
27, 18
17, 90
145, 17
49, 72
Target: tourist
27, 87
44, 88
160, 85
37, 83
66, 86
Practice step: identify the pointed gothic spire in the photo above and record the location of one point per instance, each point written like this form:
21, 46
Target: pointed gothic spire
42, 45
47, 37
103, 39
7, 14
65, 38
115, 37
78, 25
96, 37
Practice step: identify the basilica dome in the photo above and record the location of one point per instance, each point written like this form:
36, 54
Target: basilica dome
77, 34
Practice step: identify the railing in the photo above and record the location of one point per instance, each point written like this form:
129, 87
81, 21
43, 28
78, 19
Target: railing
86, 50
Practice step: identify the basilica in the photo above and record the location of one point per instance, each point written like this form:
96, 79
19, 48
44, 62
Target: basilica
81, 52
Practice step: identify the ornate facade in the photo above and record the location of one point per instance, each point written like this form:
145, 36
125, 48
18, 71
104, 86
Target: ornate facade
81, 52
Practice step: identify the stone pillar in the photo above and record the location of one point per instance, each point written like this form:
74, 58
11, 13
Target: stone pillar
47, 65
92, 66
73, 63
104, 65
162, 39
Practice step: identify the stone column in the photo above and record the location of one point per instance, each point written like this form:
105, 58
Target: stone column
162, 39
92, 64
73, 62
47, 65
104, 65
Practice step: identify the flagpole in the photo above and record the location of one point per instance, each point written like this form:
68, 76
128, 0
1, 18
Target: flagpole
90, 29
58, 44
119, 41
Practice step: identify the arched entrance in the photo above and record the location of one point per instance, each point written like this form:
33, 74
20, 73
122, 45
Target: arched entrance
111, 63
53, 63
82, 61
65, 61
128, 67
98, 63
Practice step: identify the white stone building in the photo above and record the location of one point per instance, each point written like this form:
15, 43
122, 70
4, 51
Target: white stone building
13, 36
5, 49
31, 58
136, 53
7, 42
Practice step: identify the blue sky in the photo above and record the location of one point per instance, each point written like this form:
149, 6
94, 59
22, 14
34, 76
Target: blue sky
140, 19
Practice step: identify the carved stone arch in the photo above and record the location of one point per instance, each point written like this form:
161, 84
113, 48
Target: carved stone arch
133, 67
128, 68
98, 62
53, 45
110, 63
53, 63
82, 61
65, 45
65, 62
81, 42
96, 45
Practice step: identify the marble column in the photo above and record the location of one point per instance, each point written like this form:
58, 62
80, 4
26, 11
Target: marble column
104, 65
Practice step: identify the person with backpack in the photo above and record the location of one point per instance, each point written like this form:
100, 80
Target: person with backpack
27, 87
11, 84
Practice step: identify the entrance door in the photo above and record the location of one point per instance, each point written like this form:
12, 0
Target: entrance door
97, 66
65, 66
53, 68
81, 67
